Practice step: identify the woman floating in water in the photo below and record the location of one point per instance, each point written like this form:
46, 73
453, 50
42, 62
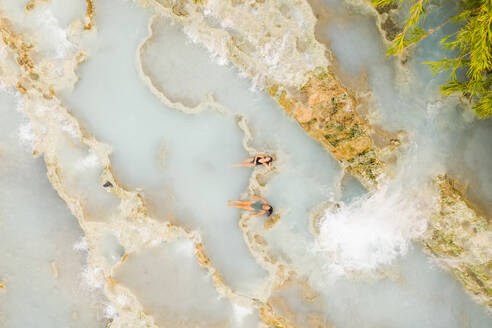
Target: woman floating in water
257, 160
260, 206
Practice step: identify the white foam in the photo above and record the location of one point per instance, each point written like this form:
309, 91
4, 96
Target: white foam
185, 248
81, 245
69, 128
110, 311
26, 135
372, 231
93, 277
240, 312
58, 36
90, 161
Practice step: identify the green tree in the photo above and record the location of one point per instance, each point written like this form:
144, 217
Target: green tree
470, 47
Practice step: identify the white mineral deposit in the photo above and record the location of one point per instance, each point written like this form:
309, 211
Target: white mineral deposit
365, 199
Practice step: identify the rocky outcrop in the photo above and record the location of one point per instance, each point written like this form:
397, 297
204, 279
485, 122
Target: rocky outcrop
460, 238
326, 110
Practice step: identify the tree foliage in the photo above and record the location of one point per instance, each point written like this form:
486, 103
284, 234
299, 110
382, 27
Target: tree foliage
470, 47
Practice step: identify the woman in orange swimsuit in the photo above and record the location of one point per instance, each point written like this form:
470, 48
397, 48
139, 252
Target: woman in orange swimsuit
259, 205
257, 160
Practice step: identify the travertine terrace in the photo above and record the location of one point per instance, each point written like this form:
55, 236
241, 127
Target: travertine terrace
136, 112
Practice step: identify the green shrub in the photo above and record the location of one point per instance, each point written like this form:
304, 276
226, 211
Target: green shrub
470, 47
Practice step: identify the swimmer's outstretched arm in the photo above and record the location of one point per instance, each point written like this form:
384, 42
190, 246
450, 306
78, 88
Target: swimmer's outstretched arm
258, 214
258, 197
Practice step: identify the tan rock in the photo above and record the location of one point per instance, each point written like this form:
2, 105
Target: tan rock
460, 238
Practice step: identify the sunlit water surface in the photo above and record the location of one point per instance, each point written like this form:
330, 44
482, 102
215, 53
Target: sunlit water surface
183, 165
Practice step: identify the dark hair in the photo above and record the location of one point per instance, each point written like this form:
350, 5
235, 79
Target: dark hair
269, 211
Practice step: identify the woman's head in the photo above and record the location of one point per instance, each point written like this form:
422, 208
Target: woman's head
268, 159
269, 210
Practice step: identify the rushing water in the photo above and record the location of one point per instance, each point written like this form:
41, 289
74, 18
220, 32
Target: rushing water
364, 264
